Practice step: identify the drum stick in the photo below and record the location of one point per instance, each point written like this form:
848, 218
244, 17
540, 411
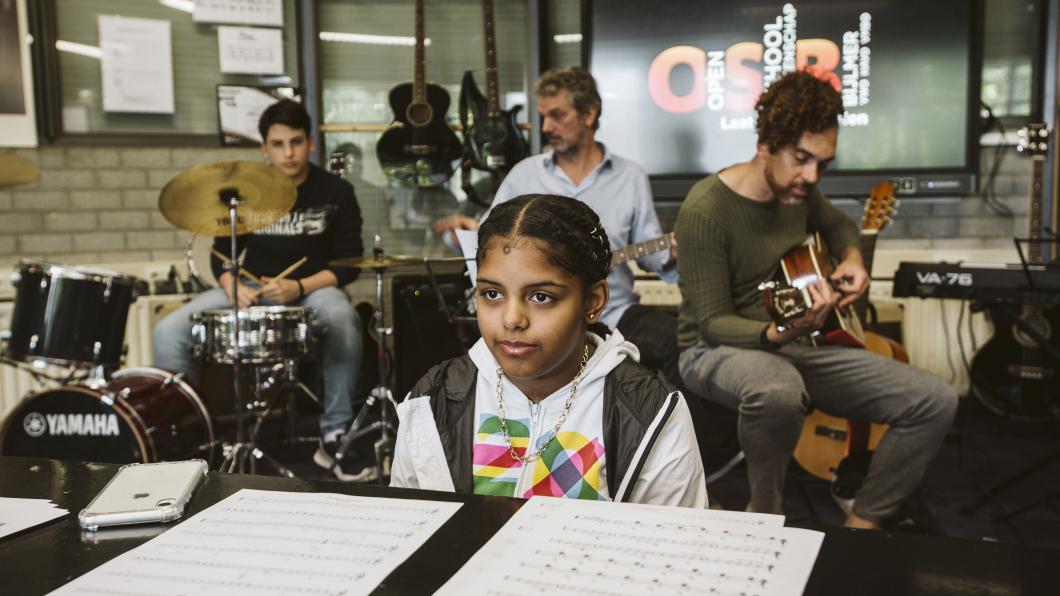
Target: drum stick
283, 274
288, 270
242, 271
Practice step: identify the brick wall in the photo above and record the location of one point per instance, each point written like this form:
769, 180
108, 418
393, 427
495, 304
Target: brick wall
100, 205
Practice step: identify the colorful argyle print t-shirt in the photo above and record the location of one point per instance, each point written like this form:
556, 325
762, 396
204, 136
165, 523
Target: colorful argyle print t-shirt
571, 466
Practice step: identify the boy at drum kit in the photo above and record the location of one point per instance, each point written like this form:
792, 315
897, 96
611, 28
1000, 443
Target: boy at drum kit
323, 225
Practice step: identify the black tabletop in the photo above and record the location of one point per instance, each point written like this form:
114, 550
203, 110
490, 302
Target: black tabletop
850, 562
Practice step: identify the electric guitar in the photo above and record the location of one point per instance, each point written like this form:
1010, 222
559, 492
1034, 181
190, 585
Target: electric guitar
418, 148
1012, 373
492, 139
829, 445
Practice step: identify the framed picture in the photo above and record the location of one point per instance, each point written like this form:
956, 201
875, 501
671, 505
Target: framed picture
17, 118
240, 106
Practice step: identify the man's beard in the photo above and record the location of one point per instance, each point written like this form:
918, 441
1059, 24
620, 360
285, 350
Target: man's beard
784, 195
570, 150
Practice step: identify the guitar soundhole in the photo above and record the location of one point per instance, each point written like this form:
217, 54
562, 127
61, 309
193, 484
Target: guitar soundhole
419, 114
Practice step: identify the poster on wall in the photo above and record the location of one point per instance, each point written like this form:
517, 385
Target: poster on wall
250, 50
240, 106
239, 12
137, 65
17, 118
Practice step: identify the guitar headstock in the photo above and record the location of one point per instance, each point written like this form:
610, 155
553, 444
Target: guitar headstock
879, 208
1034, 139
783, 303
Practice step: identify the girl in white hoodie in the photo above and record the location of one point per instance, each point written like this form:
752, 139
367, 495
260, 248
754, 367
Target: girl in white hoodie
548, 402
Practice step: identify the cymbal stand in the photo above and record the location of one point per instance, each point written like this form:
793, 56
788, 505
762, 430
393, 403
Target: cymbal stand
381, 394
243, 455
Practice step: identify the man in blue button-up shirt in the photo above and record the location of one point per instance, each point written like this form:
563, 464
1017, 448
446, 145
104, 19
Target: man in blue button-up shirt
616, 188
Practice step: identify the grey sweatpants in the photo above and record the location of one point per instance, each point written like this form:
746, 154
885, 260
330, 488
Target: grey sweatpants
773, 391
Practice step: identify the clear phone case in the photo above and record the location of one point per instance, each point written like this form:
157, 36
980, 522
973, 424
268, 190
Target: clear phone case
144, 493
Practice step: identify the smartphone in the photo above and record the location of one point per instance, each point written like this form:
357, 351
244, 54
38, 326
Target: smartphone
144, 493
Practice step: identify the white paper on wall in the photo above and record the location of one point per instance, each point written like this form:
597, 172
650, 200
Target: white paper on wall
240, 12
137, 65
249, 50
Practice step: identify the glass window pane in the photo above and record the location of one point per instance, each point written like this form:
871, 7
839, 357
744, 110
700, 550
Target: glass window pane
196, 69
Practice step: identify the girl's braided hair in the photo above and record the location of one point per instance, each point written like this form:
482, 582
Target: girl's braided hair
574, 239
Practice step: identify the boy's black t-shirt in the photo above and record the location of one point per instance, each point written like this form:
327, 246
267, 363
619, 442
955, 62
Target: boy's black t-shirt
323, 225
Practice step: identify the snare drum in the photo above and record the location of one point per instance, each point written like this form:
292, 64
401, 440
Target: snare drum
266, 334
68, 316
142, 415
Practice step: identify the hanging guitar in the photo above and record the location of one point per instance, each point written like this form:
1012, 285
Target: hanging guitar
1012, 374
492, 139
418, 148
830, 447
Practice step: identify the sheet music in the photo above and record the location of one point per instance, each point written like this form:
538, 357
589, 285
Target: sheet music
21, 514
264, 542
468, 240
240, 12
250, 50
568, 546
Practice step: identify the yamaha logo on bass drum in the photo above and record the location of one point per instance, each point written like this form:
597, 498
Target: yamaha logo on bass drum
81, 425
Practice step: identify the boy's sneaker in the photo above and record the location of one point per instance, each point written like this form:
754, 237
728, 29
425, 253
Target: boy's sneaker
349, 469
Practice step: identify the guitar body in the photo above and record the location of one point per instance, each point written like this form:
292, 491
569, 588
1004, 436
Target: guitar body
825, 439
493, 144
1014, 375
418, 148
801, 267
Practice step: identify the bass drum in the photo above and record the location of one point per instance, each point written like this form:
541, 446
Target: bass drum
142, 415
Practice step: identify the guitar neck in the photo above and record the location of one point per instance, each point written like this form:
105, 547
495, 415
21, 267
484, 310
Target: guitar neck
868, 248
493, 104
419, 75
1034, 249
633, 251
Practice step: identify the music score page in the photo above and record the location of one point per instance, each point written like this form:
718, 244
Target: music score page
568, 546
266, 542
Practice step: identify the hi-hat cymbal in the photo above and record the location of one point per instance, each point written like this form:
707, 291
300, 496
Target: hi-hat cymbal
383, 262
193, 201
15, 170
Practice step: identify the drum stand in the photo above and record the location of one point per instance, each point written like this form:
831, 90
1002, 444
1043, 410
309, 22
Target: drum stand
243, 455
381, 394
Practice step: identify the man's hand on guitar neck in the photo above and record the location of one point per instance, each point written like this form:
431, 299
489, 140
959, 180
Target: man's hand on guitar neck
850, 277
823, 298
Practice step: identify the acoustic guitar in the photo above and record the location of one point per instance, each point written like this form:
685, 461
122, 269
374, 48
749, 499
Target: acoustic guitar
1012, 374
827, 441
418, 148
492, 139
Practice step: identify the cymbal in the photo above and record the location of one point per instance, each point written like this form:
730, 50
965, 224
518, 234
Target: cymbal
192, 200
383, 262
15, 170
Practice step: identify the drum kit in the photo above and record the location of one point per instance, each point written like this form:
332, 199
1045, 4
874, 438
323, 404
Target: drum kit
74, 317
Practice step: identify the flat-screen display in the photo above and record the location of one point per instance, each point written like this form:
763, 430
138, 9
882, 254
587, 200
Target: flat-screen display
679, 79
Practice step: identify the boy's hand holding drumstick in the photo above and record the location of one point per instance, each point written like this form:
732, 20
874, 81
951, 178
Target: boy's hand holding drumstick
281, 290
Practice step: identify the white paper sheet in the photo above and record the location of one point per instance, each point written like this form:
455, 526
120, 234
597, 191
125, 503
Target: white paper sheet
264, 542
468, 240
568, 546
242, 12
137, 65
21, 514
240, 109
249, 50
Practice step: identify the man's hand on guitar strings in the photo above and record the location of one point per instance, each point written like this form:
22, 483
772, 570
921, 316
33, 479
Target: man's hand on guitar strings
851, 280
